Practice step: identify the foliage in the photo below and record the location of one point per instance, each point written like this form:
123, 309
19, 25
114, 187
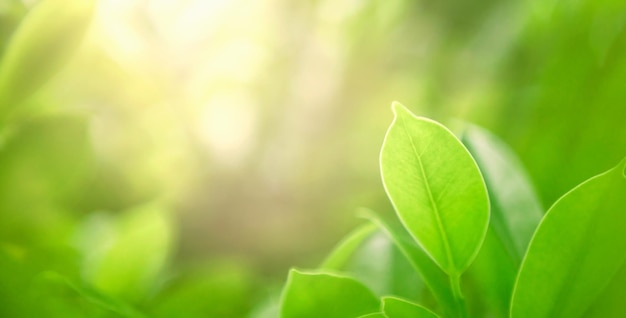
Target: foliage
173, 158
472, 265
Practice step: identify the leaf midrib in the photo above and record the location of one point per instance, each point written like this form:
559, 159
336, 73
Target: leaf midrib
451, 268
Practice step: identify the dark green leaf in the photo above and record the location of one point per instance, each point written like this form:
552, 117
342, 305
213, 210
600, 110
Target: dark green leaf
492, 277
515, 208
515, 213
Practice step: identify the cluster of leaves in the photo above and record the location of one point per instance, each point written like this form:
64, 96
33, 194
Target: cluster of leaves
471, 239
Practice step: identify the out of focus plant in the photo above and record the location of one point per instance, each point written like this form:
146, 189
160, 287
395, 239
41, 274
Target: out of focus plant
58, 258
93, 162
44, 41
471, 256
42, 164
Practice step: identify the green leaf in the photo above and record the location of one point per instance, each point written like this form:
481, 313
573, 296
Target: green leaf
434, 278
436, 189
43, 42
92, 295
390, 274
344, 250
395, 307
492, 277
317, 294
576, 262
124, 256
374, 315
45, 165
515, 208
219, 288
515, 213
268, 308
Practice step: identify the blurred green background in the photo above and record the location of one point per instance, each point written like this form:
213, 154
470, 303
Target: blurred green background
186, 153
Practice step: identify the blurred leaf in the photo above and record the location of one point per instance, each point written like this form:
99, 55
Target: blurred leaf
436, 189
433, 277
28, 289
578, 254
43, 42
47, 156
15, 297
562, 109
384, 269
124, 256
92, 296
390, 273
316, 294
220, 288
11, 12
608, 22
44, 166
270, 308
515, 209
491, 277
344, 250
515, 213
394, 307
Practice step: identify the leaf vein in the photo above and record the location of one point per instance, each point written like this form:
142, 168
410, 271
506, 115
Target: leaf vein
451, 266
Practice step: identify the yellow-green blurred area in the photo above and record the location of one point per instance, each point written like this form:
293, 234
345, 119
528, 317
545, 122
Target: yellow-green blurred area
174, 158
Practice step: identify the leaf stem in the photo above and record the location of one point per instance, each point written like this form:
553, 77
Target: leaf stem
455, 284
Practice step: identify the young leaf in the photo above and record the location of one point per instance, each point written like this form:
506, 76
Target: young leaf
436, 189
389, 274
515, 213
382, 267
315, 294
45, 39
434, 278
344, 250
398, 308
577, 256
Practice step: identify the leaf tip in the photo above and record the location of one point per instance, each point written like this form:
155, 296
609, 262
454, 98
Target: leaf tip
294, 271
398, 109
